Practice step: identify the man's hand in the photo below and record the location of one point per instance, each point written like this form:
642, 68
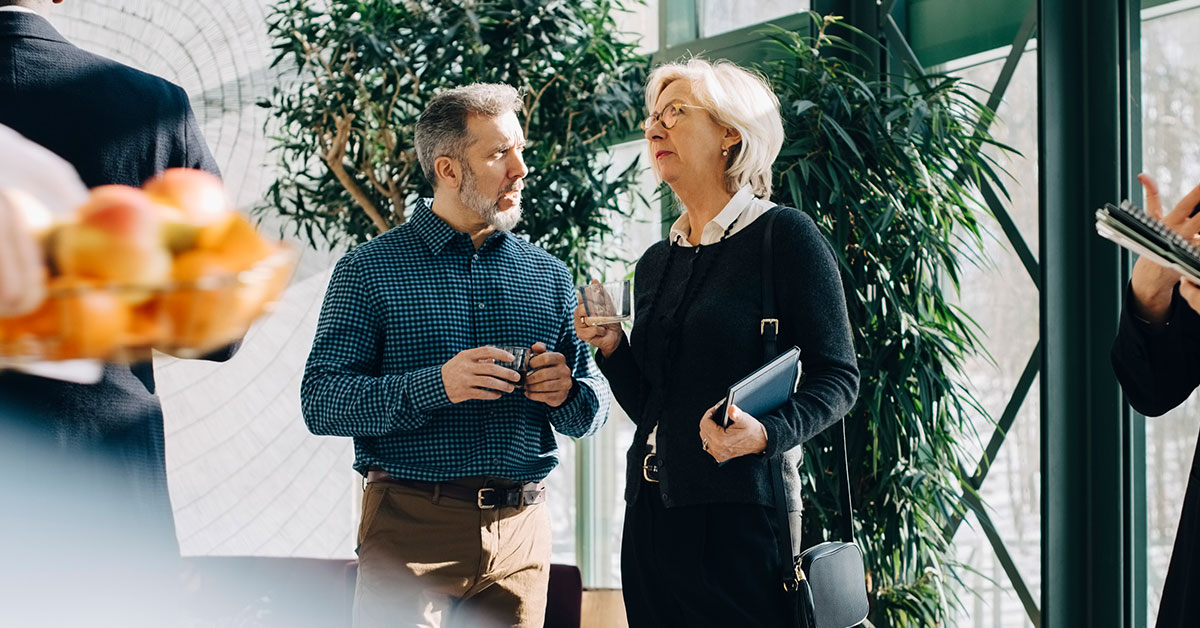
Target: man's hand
473, 374
22, 273
745, 435
1152, 284
549, 379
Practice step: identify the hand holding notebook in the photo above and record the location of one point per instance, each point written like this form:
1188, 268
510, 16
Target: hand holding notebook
767, 388
755, 395
1160, 265
1138, 231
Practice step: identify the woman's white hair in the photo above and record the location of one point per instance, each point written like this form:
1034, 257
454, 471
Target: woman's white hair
736, 98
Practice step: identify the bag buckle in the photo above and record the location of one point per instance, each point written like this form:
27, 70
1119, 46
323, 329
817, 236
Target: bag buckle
773, 322
482, 496
793, 585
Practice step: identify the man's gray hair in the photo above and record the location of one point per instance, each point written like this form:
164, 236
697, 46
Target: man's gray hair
442, 128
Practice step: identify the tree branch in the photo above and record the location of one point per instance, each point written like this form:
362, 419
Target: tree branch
532, 106
603, 131
391, 190
335, 156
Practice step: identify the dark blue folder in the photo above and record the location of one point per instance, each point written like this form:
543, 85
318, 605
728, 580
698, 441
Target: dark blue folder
765, 389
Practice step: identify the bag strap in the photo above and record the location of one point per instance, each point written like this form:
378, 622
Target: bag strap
787, 571
769, 329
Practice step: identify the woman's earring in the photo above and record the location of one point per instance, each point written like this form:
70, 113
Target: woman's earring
725, 151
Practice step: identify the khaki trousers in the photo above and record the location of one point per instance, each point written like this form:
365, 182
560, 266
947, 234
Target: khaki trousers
445, 562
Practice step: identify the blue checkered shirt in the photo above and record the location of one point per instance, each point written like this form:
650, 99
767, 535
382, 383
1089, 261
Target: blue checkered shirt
399, 307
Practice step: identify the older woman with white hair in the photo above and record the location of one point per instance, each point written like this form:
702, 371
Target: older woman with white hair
699, 545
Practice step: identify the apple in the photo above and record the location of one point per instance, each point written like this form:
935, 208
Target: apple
197, 196
117, 237
190, 201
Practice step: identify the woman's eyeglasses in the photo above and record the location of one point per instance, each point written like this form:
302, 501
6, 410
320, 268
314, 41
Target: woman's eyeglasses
668, 116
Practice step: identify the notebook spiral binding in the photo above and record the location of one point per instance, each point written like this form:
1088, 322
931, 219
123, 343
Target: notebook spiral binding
1176, 241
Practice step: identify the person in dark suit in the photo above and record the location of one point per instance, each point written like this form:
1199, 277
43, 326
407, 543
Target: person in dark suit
1156, 356
86, 516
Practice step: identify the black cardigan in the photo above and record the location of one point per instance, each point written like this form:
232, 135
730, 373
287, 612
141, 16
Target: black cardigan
697, 331
1158, 370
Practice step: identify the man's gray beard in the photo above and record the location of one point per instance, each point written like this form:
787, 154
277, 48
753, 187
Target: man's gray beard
488, 208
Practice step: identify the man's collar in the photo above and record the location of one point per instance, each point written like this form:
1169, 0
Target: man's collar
429, 227
12, 8
30, 24
436, 233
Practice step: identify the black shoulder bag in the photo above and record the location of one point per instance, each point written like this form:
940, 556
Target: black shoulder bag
825, 584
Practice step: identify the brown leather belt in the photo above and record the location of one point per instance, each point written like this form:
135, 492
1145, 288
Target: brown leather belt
494, 493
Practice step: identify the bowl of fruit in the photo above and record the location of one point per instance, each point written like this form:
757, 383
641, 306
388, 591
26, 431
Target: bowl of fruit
169, 266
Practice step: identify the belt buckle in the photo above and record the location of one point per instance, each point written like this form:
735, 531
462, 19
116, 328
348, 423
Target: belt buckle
648, 468
480, 497
529, 497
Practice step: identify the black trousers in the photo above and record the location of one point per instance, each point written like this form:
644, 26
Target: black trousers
1180, 605
707, 565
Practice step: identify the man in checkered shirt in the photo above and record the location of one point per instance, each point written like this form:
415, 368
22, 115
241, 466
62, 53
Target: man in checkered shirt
454, 529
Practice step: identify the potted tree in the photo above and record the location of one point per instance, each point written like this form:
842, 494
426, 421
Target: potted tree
363, 70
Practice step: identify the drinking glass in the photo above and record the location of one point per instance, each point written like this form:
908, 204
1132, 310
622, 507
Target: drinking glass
604, 303
520, 362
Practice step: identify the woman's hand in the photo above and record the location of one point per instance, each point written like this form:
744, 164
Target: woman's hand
604, 337
745, 435
1152, 284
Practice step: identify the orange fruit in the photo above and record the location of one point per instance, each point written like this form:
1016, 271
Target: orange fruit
40, 323
201, 308
91, 322
237, 242
198, 264
146, 325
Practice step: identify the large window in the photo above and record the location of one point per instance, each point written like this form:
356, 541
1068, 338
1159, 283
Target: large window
721, 16
1000, 295
687, 21
599, 480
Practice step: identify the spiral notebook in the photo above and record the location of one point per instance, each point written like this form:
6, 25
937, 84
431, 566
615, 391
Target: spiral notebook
1137, 231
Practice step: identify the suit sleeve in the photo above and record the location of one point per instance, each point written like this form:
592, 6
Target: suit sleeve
813, 316
196, 154
1158, 368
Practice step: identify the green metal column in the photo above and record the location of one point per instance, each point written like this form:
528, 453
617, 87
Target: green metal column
1136, 520
1086, 61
